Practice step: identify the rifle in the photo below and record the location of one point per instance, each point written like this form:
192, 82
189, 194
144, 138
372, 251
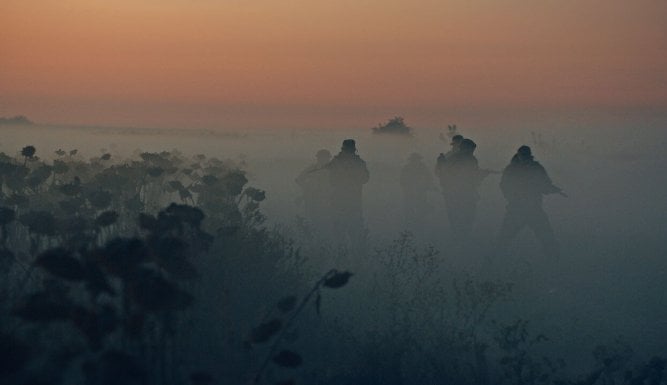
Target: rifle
560, 192
486, 172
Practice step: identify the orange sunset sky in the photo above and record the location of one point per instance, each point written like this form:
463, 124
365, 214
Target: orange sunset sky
297, 63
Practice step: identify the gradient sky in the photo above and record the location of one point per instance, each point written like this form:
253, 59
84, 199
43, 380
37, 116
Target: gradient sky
297, 63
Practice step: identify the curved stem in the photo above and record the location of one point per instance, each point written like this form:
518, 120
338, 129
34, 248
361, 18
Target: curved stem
296, 312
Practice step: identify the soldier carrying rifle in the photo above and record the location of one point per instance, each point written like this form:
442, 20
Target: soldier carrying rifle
524, 182
460, 178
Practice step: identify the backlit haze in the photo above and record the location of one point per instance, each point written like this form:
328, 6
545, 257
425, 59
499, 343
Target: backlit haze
315, 64
138, 105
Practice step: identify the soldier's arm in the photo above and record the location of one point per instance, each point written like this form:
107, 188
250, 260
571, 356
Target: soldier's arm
439, 164
365, 175
301, 179
504, 183
549, 187
482, 173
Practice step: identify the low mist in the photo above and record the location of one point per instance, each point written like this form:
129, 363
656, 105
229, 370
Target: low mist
261, 290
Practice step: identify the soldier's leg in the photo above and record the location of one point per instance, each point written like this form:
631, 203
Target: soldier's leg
409, 211
539, 223
356, 232
513, 222
450, 206
338, 226
464, 217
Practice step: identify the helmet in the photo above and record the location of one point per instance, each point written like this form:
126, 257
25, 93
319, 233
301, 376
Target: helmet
349, 145
468, 145
524, 151
323, 154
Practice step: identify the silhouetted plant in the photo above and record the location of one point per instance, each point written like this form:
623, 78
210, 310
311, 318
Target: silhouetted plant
72, 189
106, 218
519, 362
7, 216
39, 222
14, 355
15, 178
138, 274
38, 177
124, 295
61, 263
263, 333
18, 200
100, 199
28, 152
395, 125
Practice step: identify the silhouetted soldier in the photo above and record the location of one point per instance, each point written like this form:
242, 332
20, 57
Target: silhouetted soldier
442, 171
462, 177
455, 144
314, 183
347, 175
524, 183
416, 180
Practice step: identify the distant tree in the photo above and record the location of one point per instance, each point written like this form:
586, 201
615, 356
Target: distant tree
19, 119
395, 125
28, 152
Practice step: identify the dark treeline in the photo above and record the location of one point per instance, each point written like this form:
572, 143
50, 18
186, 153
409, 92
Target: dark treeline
160, 269
16, 120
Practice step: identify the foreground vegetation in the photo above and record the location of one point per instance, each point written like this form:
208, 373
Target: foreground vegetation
160, 270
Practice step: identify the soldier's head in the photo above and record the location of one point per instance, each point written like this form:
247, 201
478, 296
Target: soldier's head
323, 156
349, 146
524, 153
467, 146
456, 141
